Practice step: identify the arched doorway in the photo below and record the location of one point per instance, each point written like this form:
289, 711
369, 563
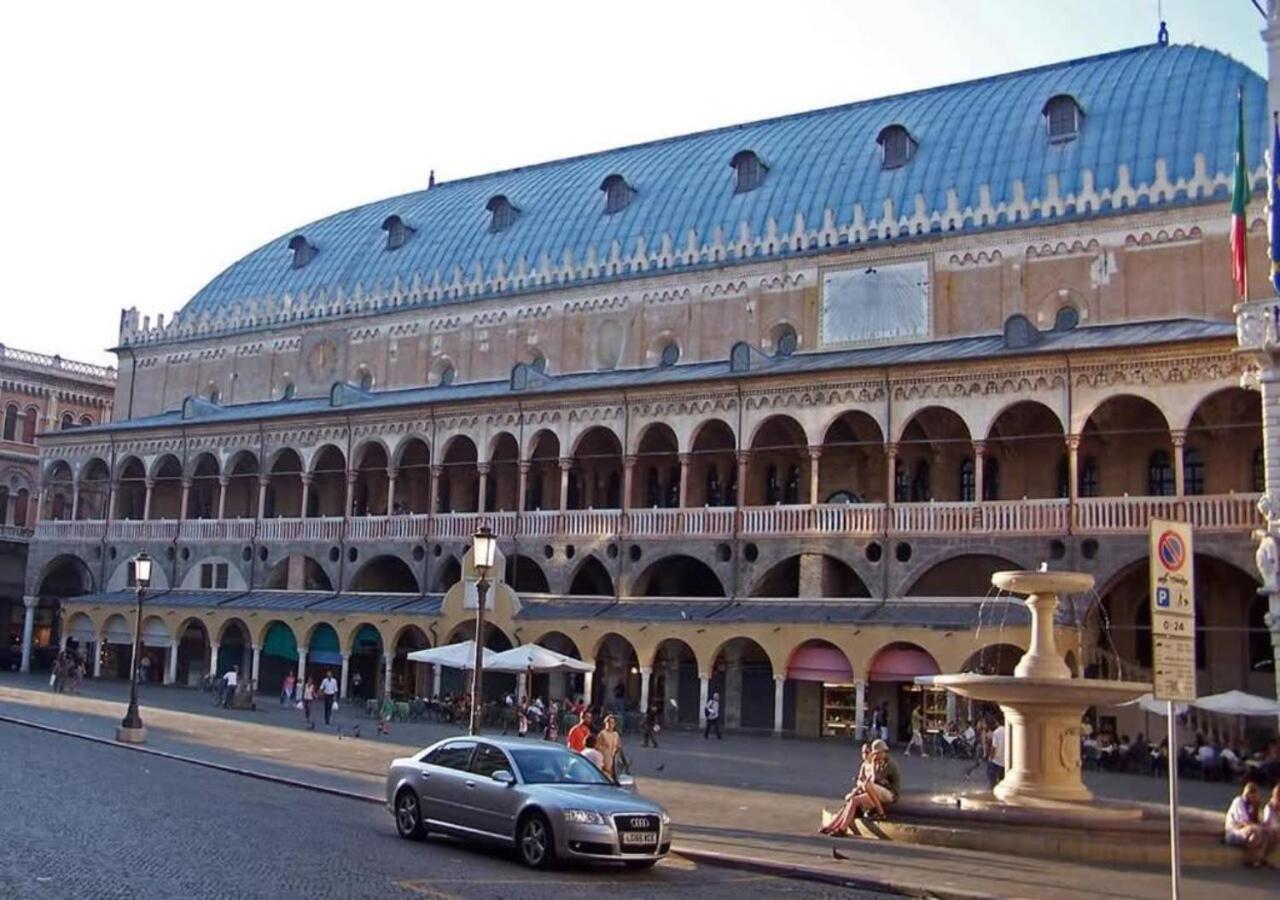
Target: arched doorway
64, 577
819, 699
193, 653
557, 685
369, 491
457, 488
324, 653
656, 482
328, 483
95, 491
284, 487
131, 489
385, 575
674, 688
591, 580
242, 487
154, 650
616, 685
297, 573
279, 657
1224, 436
117, 647
1026, 454
542, 487
235, 649
596, 479
677, 576
202, 498
779, 465
742, 675
502, 482
413, 478
891, 687
365, 671
409, 679
166, 488
1126, 448
713, 469
851, 469
935, 458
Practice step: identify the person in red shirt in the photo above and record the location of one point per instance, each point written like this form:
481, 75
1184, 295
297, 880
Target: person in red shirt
578, 733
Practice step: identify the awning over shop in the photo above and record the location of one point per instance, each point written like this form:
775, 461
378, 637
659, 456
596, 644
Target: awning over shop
155, 634
367, 640
80, 629
281, 642
117, 631
820, 662
902, 664
324, 646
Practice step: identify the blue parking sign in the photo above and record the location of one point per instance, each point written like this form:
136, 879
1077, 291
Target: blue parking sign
1162, 597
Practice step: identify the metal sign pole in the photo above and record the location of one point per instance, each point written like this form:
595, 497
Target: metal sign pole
1175, 842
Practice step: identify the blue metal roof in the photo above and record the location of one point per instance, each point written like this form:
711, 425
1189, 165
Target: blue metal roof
1141, 105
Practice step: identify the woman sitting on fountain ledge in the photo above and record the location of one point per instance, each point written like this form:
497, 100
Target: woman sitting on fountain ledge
874, 790
1244, 826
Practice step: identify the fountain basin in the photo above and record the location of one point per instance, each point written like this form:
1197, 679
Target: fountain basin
1029, 691
1036, 582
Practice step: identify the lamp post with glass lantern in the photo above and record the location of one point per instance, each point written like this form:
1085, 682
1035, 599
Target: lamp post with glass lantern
131, 730
484, 548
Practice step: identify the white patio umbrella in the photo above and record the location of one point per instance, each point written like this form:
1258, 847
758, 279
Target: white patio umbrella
461, 655
1148, 703
1238, 703
535, 658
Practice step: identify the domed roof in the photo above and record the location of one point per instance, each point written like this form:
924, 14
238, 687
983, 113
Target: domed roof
1156, 126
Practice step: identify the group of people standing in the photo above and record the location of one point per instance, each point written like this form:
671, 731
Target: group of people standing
68, 671
303, 698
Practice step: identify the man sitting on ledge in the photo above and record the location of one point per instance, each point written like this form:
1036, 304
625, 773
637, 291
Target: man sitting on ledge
876, 788
1244, 826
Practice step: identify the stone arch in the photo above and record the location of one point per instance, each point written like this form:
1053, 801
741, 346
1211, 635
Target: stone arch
852, 466
365, 670
95, 489
458, 488
1026, 454
166, 490
412, 462
810, 575
59, 489
408, 679
386, 574
297, 572
934, 444
891, 673
678, 575
202, 499
656, 482
713, 467
778, 470
279, 655
64, 576
616, 685
994, 659
502, 484
1125, 448
1223, 434
370, 462
328, 494
542, 487
194, 650
447, 573
674, 685
525, 576
121, 577
966, 574
742, 673
284, 484
241, 474
595, 481
131, 488
591, 578
818, 699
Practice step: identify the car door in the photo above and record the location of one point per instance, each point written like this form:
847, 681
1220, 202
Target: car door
441, 778
492, 805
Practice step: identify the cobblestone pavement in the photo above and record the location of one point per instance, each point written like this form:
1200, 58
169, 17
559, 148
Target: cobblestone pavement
86, 820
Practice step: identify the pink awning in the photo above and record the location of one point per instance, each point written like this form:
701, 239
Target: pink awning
819, 662
902, 664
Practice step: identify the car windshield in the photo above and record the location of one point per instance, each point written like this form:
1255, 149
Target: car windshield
556, 766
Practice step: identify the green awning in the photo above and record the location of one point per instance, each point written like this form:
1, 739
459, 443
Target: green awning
324, 640
281, 642
367, 638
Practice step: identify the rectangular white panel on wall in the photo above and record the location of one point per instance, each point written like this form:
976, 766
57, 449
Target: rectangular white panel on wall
875, 304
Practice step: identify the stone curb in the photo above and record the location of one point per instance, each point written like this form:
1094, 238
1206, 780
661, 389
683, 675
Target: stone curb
707, 857
822, 876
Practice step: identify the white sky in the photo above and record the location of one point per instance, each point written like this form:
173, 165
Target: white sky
146, 146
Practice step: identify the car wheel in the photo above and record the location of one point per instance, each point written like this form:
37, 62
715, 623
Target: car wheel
641, 863
409, 816
536, 843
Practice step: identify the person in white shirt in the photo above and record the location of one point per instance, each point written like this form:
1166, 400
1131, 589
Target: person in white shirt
995, 762
229, 682
329, 690
712, 712
1243, 826
590, 752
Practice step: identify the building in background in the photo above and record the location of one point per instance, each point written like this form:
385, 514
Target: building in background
38, 394
757, 410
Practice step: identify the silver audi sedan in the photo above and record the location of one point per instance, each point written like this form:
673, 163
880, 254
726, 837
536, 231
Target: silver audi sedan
543, 799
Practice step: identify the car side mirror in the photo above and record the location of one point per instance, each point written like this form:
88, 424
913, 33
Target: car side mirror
502, 776
626, 782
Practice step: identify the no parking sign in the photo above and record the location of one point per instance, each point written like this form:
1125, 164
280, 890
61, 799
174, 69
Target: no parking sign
1173, 611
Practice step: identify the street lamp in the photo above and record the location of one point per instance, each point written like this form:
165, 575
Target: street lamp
131, 730
484, 548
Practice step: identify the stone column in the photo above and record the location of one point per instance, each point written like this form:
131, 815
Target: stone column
684, 479
28, 630
264, 481
779, 687
97, 657
565, 466
391, 489
386, 675
588, 682
306, 494
645, 673
256, 666
213, 659
815, 495
342, 679
302, 669
483, 488
522, 685
744, 467
75, 501
890, 473
522, 485
435, 680
731, 702
629, 477
704, 691
859, 708
186, 496
171, 662
347, 512
436, 472
979, 464
148, 486
1179, 439
223, 481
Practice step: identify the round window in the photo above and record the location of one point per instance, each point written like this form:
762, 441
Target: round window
786, 341
670, 355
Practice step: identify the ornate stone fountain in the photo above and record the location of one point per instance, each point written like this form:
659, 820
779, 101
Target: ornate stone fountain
1043, 705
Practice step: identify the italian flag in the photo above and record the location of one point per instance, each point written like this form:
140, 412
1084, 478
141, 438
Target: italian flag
1239, 200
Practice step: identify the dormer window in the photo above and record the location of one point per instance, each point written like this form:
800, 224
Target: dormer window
303, 250
897, 146
617, 194
397, 232
749, 170
502, 213
1062, 116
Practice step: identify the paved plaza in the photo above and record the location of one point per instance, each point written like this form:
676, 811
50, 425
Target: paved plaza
747, 796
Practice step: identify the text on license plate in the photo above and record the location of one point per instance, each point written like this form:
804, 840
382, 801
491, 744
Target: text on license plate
639, 838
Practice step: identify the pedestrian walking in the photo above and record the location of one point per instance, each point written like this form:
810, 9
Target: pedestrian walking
522, 718
357, 688
995, 756
329, 693
77, 673
651, 726
577, 737
553, 723
286, 688
609, 743
230, 682
981, 746
712, 712
308, 695
917, 733
145, 665
884, 721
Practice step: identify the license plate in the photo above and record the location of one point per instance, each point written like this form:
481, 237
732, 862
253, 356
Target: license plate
638, 839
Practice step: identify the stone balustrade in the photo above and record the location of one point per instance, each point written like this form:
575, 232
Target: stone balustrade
1093, 515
